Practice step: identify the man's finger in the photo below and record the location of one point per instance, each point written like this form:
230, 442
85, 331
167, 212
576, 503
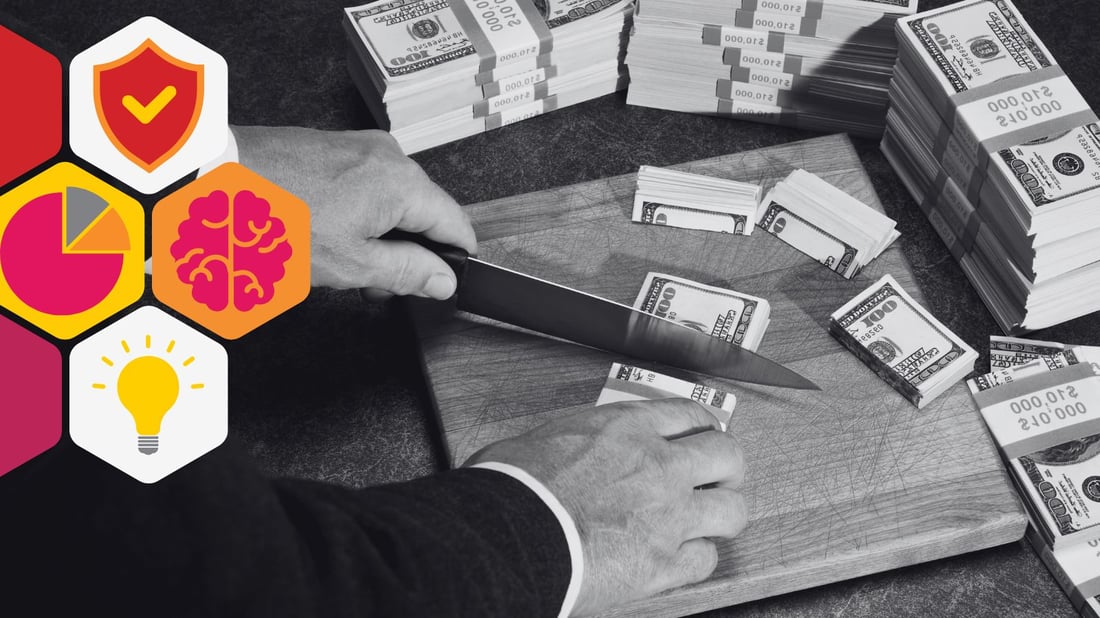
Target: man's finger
433, 213
712, 457
672, 418
717, 512
406, 268
694, 562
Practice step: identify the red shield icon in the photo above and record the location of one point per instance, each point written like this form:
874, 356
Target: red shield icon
148, 103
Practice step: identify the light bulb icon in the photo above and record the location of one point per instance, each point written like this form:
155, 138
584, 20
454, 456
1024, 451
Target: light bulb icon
148, 387
151, 378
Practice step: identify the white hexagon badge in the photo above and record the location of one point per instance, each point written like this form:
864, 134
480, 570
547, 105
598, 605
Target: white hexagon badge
148, 394
148, 105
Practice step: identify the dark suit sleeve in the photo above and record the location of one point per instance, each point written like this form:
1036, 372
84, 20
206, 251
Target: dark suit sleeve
217, 538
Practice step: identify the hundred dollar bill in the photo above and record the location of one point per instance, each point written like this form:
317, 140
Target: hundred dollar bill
1006, 352
726, 314
694, 201
970, 44
898, 339
627, 383
1076, 568
408, 39
1047, 428
686, 217
1063, 481
815, 242
1012, 373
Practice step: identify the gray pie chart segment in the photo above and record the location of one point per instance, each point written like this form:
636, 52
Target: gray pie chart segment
82, 207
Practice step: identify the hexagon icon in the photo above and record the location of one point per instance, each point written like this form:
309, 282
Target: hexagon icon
30, 110
231, 250
30, 396
148, 105
148, 394
71, 250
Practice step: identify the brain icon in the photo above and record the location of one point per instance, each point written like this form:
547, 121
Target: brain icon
231, 252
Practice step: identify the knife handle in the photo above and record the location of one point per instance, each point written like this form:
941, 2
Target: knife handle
454, 257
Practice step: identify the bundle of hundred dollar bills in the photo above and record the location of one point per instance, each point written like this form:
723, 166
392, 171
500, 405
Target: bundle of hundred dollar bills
1036, 402
825, 223
626, 383
901, 342
817, 64
434, 71
1002, 154
1076, 569
738, 318
694, 201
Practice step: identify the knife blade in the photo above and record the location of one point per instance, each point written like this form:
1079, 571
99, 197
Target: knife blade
535, 304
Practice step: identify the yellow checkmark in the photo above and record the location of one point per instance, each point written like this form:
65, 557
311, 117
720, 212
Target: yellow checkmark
146, 113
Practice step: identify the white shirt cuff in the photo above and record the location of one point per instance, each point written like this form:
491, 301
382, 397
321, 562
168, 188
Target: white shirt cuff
568, 527
230, 155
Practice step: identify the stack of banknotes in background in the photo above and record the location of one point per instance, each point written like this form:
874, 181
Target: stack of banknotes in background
729, 315
694, 201
825, 223
1003, 155
821, 65
434, 71
1040, 403
900, 341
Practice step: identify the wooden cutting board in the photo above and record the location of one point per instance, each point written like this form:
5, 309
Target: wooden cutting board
844, 482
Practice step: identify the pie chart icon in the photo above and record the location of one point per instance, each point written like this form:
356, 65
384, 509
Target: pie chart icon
71, 250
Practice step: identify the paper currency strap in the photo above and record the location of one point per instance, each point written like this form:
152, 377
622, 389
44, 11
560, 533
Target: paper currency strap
503, 31
1042, 411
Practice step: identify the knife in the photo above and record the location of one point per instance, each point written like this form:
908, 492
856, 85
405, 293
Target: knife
535, 304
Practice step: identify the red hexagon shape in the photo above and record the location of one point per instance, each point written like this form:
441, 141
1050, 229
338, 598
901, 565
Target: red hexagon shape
30, 110
30, 395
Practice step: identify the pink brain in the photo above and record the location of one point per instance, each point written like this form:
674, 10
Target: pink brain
231, 252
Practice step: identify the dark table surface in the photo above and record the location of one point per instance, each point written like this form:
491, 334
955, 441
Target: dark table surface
333, 390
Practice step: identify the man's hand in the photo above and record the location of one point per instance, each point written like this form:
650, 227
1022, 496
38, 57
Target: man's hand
359, 185
628, 473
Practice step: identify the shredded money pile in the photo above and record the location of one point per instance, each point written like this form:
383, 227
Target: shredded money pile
434, 71
694, 201
901, 342
1003, 155
818, 64
1040, 403
825, 223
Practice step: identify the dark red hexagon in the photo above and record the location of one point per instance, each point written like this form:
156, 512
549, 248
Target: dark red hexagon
30, 108
30, 395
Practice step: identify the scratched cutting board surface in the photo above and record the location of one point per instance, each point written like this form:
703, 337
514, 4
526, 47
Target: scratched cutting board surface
843, 482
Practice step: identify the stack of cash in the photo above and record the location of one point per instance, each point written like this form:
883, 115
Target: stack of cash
732, 316
816, 64
626, 383
825, 223
1005, 352
1002, 154
1076, 569
694, 201
1043, 419
901, 342
1037, 402
434, 71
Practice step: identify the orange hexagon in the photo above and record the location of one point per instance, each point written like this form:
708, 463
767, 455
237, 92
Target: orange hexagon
231, 250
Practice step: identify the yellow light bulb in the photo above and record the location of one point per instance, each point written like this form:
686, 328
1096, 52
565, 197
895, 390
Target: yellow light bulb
148, 388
